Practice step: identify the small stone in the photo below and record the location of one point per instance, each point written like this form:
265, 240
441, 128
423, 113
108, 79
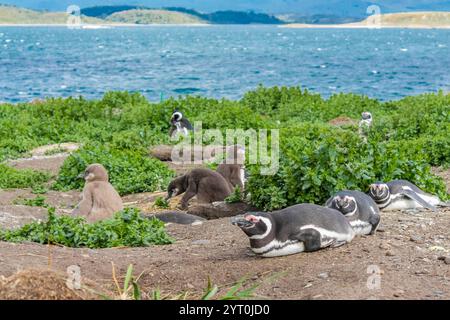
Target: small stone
384, 246
200, 242
381, 229
307, 285
447, 260
415, 239
399, 293
390, 254
441, 258
323, 275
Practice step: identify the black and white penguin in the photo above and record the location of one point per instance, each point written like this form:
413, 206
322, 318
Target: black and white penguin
402, 195
300, 228
361, 210
366, 120
180, 125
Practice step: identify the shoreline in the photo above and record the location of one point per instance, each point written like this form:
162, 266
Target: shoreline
286, 26
104, 26
359, 26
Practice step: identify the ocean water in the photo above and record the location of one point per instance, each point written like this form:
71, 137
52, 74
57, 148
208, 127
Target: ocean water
220, 61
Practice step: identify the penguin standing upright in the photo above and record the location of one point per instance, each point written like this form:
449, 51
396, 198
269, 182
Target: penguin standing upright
403, 195
365, 124
361, 210
300, 228
179, 124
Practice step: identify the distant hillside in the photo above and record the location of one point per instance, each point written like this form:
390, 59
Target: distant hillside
431, 19
15, 15
153, 17
219, 17
392, 20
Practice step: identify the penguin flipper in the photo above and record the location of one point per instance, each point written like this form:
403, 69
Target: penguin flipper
412, 195
311, 239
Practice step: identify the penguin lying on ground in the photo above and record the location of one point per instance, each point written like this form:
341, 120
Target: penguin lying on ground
180, 125
300, 228
361, 210
402, 195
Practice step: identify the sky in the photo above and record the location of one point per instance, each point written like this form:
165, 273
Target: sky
308, 7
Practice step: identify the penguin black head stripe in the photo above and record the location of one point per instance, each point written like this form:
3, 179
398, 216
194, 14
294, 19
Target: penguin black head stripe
345, 204
254, 225
360, 209
379, 191
366, 116
177, 116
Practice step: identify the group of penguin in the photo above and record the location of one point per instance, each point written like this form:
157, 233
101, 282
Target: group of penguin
310, 227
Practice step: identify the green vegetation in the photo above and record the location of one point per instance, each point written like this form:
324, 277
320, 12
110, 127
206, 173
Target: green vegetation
161, 203
129, 14
11, 178
153, 17
236, 196
316, 158
127, 229
129, 172
38, 201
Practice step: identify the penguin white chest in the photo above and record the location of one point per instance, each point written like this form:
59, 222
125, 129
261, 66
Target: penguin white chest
277, 249
283, 249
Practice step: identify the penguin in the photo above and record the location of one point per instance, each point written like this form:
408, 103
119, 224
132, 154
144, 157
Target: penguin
366, 120
299, 228
233, 167
402, 195
179, 124
179, 218
207, 185
361, 210
365, 124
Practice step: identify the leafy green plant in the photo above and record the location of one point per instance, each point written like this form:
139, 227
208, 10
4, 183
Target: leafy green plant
236, 196
129, 172
39, 189
21, 178
161, 203
128, 228
38, 201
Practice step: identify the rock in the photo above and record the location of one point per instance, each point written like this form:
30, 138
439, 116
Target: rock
186, 154
390, 254
417, 239
219, 210
399, 293
323, 275
447, 260
384, 246
13, 217
201, 242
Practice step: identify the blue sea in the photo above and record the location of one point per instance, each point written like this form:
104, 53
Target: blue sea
220, 61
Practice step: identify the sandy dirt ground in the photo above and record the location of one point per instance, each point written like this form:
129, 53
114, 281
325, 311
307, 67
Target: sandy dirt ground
410, 256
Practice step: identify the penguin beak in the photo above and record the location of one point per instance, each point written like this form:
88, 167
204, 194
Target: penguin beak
241, 222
